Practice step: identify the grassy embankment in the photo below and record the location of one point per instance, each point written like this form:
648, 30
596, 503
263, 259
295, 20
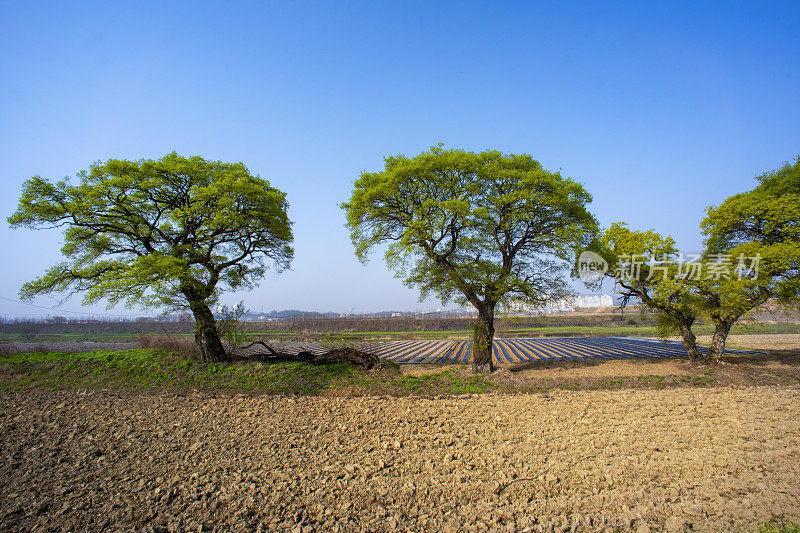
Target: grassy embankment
162, 371
159, 370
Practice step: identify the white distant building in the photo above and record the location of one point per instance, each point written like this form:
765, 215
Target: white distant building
593, 300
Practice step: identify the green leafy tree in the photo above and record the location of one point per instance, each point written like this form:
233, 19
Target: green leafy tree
477, 228
655, 283
167, 233
765, 224
751, 256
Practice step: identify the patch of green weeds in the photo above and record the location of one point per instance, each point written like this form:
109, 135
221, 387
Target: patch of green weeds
652, 381
444, 382
416, 383
470, 385
570, 386
612, 383
779, 524
702, 380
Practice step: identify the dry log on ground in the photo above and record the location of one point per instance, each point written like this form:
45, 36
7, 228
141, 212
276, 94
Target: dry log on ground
345, 354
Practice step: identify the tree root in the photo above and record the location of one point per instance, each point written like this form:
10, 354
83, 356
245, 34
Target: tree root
348, 355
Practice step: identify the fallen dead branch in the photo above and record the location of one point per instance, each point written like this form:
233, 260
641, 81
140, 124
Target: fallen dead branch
345, 354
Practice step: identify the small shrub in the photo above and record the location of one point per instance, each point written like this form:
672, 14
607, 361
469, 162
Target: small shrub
230, 326
183, 346
7, 349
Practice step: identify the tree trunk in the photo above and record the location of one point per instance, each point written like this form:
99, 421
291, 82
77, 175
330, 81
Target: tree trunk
717, 347
482, 338
206, 335
689, 340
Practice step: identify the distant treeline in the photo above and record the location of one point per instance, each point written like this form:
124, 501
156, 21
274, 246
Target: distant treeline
445, 324
30, 328
33, 328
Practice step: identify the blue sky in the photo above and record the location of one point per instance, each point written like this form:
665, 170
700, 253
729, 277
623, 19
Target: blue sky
660, 110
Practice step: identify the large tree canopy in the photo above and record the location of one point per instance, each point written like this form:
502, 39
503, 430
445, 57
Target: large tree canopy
168, 233
751, 255
643, 265
763, 222
472, 227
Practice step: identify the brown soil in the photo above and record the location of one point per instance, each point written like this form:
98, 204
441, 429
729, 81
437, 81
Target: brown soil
776, 367
769, 341
713, 459
779, 364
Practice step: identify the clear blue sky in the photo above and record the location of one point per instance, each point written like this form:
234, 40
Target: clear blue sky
658, 109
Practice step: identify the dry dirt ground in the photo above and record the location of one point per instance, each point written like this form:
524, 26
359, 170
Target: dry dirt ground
772, 341
779, 366
712, 459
